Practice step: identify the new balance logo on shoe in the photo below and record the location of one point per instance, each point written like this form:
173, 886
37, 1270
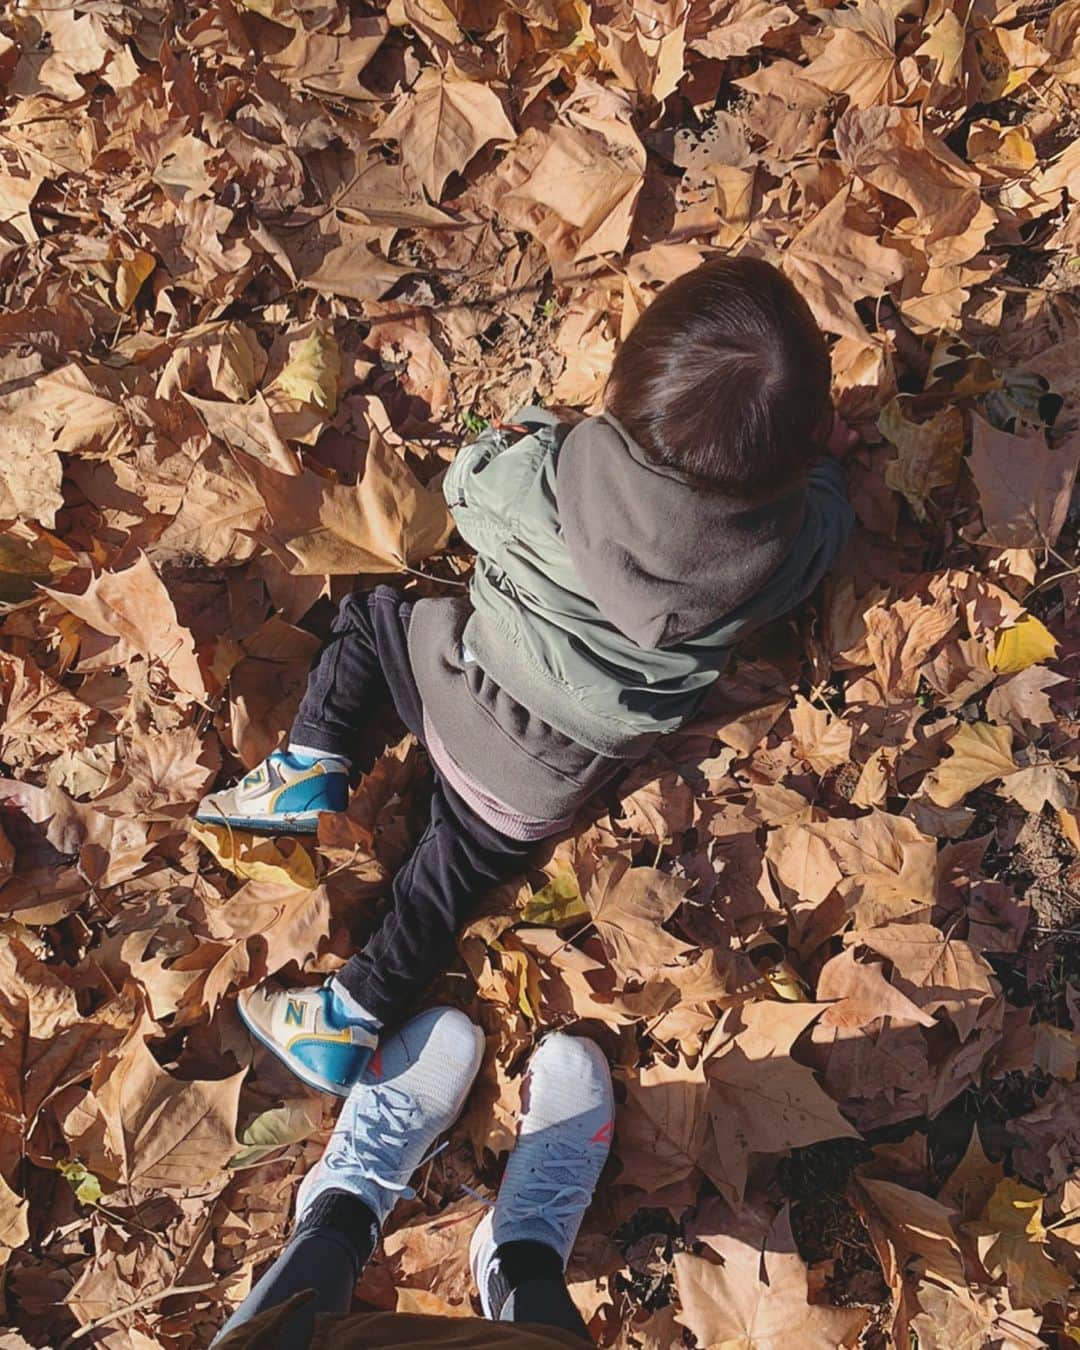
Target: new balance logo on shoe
294, 1013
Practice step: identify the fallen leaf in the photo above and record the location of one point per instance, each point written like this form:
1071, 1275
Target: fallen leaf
1024, 487
1024, 644
859, 60
900, 637
160, 1132
254, 859
14, 1229
385, 523
822, 740
557, 903
759, 1296
761, 1100
275, 1129
628, 913
1022, 700
133, 606
1013, 1246
981, 753
929, 454
1038, 786
31, 473
312, 373
442, 122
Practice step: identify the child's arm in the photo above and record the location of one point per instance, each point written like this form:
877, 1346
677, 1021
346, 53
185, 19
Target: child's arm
829, 515
484, 484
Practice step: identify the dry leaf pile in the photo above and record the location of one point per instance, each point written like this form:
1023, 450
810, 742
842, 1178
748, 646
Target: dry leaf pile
263, 266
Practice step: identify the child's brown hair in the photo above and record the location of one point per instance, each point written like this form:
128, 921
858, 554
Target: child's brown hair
726, 377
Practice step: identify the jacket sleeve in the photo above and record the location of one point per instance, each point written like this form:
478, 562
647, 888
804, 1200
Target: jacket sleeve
825, 529
485, 483
830, 520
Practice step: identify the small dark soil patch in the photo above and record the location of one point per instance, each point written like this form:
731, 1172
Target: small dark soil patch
1029, 853
992, 1108
649, 1243
825, 1224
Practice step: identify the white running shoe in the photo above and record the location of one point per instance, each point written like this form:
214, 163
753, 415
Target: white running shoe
564, 1138
413, 1089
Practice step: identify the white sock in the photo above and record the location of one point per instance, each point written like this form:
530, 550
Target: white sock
349, 1008
310, 752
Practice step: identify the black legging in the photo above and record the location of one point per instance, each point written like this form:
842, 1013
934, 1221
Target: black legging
328, 1260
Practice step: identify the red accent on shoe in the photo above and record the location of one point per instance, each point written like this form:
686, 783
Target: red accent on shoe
604, 1134
375, 1066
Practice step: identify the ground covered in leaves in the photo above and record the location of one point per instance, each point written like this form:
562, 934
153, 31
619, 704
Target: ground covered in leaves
263, 265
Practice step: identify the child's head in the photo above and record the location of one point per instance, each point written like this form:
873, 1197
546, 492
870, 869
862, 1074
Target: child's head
726, 377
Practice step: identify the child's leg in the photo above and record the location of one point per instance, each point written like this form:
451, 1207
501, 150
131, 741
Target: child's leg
346, 681
288, 791
459, 857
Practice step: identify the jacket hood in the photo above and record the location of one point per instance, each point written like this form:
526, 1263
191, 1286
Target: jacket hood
662, 558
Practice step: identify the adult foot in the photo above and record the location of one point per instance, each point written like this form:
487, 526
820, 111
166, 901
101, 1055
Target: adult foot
413, 1089
563, 1142
285, 794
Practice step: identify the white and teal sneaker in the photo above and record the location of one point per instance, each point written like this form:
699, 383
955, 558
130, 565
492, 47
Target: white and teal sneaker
285, 794
413, 1089
302, 1027
567, 1119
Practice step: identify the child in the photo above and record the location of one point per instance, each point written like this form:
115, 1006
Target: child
618, 563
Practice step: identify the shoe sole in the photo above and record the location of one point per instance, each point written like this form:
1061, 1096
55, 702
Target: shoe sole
305, 823
482, 1240
305, 1076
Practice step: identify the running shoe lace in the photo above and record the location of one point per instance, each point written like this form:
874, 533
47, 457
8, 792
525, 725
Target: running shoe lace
375, 1142
549, 1192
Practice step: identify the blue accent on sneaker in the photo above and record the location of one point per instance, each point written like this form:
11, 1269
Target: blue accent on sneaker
299, 1027
330, 1063
325, 792
341, 1011
271, 825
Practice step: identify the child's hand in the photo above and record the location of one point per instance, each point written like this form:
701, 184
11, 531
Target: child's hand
842, 439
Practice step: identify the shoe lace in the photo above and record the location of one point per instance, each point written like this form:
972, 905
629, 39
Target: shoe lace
549, 1192
382, 1123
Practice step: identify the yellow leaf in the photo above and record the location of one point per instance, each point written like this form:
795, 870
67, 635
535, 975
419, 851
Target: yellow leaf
1015, 1208
274, 1129
1015, 1246
130, 276
1024, 644
312, 374
281, 862
516, 963
86, 1186
784, 983
556, 903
